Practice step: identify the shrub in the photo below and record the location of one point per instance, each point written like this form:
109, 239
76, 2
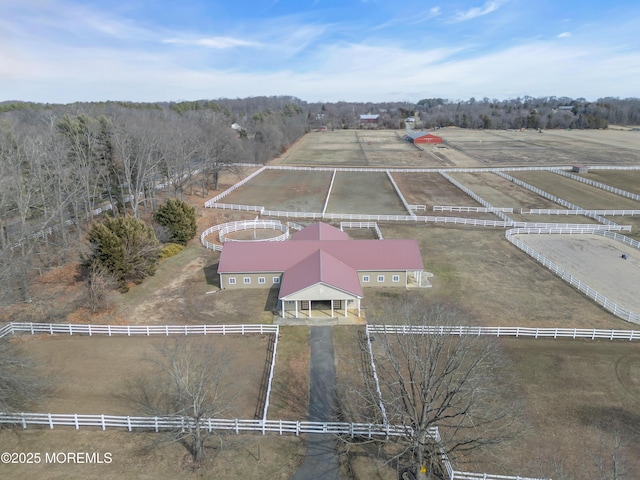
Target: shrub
170, 249
179, 218
125, 247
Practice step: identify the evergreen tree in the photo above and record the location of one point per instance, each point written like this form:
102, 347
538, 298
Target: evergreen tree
179, 218
125, 247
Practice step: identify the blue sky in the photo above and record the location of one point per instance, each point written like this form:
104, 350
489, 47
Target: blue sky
61, 51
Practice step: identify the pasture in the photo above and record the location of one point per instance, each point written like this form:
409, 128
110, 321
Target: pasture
573, 390
299, 191
578, 193
96, 374
597, 261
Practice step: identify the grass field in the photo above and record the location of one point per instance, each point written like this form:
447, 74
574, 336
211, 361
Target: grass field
94, 375
628, 180
573, 391
368, 193
299, 191
578, 193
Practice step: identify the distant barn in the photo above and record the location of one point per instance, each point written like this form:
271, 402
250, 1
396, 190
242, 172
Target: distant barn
368, 118
422, 137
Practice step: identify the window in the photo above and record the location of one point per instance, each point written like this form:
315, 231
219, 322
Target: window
232, 280
276, 279
365, 278
246, 280
380, 278
261, 280
395, 278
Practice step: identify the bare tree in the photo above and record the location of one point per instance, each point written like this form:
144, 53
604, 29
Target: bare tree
608, 458
455, 383
99, 284
20, 384
191, 382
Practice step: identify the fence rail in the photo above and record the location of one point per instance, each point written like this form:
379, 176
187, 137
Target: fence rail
251, 224
399, 193
552, 211
237, 426
447, 208
602, 186
215, 199
373, 225
129, 330
530, 332
478, 199
553, 198
580, 285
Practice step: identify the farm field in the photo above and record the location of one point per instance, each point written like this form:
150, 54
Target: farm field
628, 180
135, 456
553, 147
500, 284
333, 148
433, 189
573, 391
596, 261
95, 374
578, 396
500, 192
368, 193
299, 191
581, 194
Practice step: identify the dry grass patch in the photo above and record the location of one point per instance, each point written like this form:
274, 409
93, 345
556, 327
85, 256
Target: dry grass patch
244, 456
94, 375
290, 394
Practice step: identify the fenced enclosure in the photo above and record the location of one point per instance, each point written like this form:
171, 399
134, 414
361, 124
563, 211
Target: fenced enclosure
598, 297
163, 330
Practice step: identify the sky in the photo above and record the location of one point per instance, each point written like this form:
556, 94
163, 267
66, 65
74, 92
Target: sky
63, 51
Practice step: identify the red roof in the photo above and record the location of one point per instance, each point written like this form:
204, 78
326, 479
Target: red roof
320, 267
320, 231
320, 253
240, 257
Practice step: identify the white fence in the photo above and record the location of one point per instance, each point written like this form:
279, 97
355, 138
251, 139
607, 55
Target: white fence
128, 330
215, 199
253, 224
517, 332
478, 199
237, 426
551, 211
583, 287
373, 225
326, 201
599, 185
553, 198
272, 369
418, 208
399, 193
446, 208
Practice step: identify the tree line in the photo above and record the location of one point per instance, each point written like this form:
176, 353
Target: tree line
62, 164
59, 164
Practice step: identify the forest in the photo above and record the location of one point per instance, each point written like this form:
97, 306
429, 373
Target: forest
61, 166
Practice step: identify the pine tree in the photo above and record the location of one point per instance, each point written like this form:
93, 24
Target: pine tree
179, 218
125, 247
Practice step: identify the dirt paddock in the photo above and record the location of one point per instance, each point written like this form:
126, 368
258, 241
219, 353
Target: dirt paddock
596, 261
93, 375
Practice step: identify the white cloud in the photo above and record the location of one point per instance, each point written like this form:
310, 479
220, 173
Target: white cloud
211, 42
564, 35
488, 7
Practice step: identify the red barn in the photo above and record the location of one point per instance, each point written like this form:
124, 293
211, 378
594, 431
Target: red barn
423, 137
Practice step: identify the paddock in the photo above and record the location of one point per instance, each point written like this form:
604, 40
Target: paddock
597, 261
